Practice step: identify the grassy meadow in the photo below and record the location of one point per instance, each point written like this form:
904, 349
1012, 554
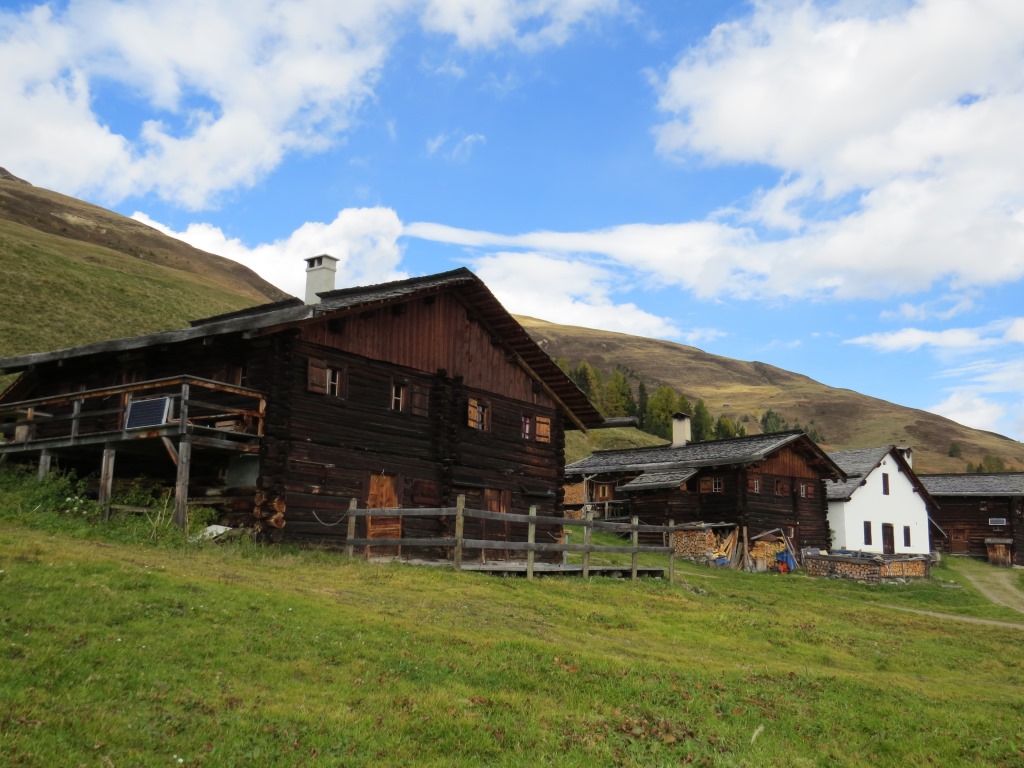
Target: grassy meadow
122, 644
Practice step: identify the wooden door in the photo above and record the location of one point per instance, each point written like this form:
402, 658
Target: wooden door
383, 493
501, 502
958, 540
888, 539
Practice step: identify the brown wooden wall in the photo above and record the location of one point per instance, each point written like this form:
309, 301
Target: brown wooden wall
806, 517
322, 449
970, 515
427, 334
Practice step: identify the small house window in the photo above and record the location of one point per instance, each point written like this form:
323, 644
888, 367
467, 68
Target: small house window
335, 382
479, 415
543, 429
906, 535
526, 427
867, 532
399, 396
781, 488
885, 484
711, 485
604, 491
754, 484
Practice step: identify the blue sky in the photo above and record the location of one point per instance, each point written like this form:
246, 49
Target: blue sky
835, 188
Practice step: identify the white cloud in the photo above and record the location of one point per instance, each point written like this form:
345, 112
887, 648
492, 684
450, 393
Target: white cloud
457, 147
997, 333
222, 91
968, 407
890, 179
364, 240
910, 339
528, 25
564, 291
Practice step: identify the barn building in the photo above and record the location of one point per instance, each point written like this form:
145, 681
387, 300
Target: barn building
407, 393
981, 515
761, 482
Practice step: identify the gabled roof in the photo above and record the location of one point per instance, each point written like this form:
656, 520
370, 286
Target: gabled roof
861, 462
268, 318
1001, 484
667, 458
651, 481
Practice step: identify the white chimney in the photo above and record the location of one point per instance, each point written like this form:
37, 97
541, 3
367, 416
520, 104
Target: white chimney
320, 271
680, 430
908, 454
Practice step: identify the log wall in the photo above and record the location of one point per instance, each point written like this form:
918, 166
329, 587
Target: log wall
964, 519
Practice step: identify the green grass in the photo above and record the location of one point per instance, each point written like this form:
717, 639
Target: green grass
121, 647
59, 295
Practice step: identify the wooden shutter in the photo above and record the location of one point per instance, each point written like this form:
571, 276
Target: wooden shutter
420, 401
316, 376
543, 429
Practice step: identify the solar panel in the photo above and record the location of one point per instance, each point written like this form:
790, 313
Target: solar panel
147, 413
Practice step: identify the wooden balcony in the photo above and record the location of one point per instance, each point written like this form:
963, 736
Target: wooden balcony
209, 413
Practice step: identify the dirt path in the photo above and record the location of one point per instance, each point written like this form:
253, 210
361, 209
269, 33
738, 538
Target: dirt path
997, 584
954, 617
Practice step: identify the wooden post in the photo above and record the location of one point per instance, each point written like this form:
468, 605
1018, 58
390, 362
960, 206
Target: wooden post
460, 505
587, 529
531, 538
746, 550
106, 479
672, 552
44, 464
181, 487
76, 411
351, 532
636, 543
183, 415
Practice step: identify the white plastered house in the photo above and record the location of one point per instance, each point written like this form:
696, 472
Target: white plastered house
883, 507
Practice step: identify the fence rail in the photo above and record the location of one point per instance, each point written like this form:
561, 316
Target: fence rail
225, 411
459, 543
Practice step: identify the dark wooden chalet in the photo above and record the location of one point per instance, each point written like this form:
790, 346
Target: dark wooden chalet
762, 482
402, 394
981, 515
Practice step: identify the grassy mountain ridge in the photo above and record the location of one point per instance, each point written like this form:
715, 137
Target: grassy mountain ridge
739, 389
77, 273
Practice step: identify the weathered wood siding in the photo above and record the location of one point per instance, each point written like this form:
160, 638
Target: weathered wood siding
779, 503
330, 445
427, 334
970, 515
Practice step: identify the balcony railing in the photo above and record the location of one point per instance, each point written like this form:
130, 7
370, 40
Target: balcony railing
155, 408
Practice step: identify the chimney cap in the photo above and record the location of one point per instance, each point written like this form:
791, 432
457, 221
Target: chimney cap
318, 261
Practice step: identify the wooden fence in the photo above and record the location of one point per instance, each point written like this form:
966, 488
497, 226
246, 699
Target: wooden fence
459, 544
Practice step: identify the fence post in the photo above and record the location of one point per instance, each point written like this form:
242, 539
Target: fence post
460, 505
636, 544
588, 519
672, 552
531, 538
351, 532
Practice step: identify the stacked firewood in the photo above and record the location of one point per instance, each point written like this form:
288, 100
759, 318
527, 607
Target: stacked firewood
767, 549
695, 543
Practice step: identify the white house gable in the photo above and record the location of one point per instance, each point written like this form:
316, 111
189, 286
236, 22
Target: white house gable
882, 507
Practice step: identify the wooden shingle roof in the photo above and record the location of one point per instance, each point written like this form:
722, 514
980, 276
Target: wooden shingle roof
667, 458
1000, 484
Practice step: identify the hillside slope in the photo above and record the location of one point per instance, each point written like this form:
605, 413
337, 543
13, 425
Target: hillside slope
742, 390
75, 273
